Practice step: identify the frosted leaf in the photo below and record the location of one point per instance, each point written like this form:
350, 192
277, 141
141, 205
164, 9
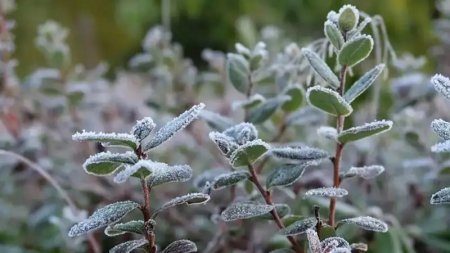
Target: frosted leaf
348, 17
128, 246
286, 174
441, 147
264, 111
241, 49
355, 50
320, 67
442, 128
143, 128
363, 83
331, 192
366, 172
441, 84
108, 139
180, 246
238, 71
328, 101
173, 126
134, 226
241, 210
105, 163
367, 223
313, 240
248, 153
366, 130
327, 132
141, 169
441, 197
250, 103
215, 120
242, 133
302, 154
103, 216
299, 227
340, 250
225, 143
333, 34
228, 179
177, 173
282, 211
189, 199
359, 246
332, 243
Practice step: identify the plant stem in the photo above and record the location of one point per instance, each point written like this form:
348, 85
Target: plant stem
268, 199
146, 211
339, 148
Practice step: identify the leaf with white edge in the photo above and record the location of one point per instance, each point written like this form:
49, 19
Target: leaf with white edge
441, 197
188, 199
215, 120
128, 246
225, 143
313, 241
359, 246
302, 154
366, 130
143, 128
328, 101
228, 179
299, 227
327, 132
134, 226
238, 72
102, 217
248, 153
296, 95
105, 163
367, 223
366, 172
286, 174
180, 246
251, 102
241, 49
241, 210
441, 128
441, 147
355, 50
441, 84
177, 173
333, 34
264, 111
333, 243
320, 67
108, 139
173, 126
141, 169
282, 210
331, 192
348, 18
363, 83
242, 133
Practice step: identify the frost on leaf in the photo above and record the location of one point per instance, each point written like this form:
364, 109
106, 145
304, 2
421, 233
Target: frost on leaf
301, 154
327, 132
103, 216
330, 192
313, 240
177, 173
108, 139
331, 244
299, 227
105, 163
441, 197
441, 147
320, 67
228, 179
248, 153
442, 128
367, 223
441, 84
348, 17
189, 199
363, 83
366, 130
328, 101
286, 174
366, 172
282, 211
264, 111
359, 246
242, 133
242, 210
215, 120
134, 226
143, 128
128, 246
173, 126
225, 143
180, 246
141, 169
355, 50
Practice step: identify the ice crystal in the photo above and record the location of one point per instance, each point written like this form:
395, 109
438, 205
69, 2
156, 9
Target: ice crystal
331, 192
441, 84
441, 147
241, 210
441, 197
299, 153
180, 246
107, 138
368, 223
148, 165
442, 128
143, 128
177, 173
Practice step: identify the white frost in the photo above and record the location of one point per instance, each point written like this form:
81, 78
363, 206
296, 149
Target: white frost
441, 84
331, 192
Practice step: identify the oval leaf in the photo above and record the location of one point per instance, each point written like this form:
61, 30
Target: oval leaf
105, 163
296, 98
333, 34
189, 199
129, 246
248, 153
228, 179
143, 128
281, 209
328, 101
177, 173
348, 18
363, 83
441, 197
286, 174
367, 223
215, 120
103, 216
239, 211
331, 244
302, 154
320, 67
366, 130
108, 139
366, 172
265, 110
242, 133
331, 192
180, 246
355, 50
238, 72
225, 143
313, 241
141, 169
299, 227
134, 226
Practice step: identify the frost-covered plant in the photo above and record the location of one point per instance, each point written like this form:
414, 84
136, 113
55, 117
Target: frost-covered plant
135, 164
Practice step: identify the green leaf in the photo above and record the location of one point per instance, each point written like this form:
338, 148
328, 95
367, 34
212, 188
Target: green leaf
240, 210
105, 163
348, 18
134, 226
103, 216
299, 154
441, 197
320, 67
333, 34
367, 223
326, 231
299, 226
366, 130
128, 246
328, 101
108, 139
228, 179
282, 210
363, 83
215, 120
180, 246
251, 102
296, 98
286, 174
188, 199
263, 112
177, 173
331, 192
238, 72
248, 153
366, 172
355, 50
291, 219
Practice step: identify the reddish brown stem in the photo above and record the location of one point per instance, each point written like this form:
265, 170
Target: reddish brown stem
149, 234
